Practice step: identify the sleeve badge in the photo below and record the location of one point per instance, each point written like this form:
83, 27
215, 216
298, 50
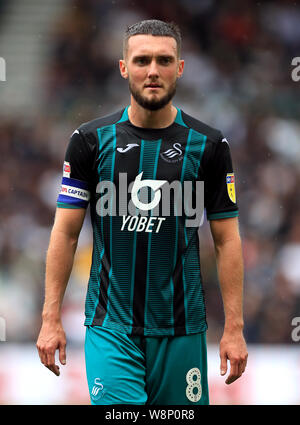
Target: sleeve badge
67, 169
231, 186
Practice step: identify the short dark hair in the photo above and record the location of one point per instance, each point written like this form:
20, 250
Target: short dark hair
153, 27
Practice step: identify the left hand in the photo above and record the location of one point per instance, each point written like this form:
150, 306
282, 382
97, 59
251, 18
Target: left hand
233, 348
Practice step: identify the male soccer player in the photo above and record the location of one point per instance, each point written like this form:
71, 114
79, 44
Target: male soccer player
145, 311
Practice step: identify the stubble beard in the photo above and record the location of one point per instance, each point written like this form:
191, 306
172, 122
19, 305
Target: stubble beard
153, 104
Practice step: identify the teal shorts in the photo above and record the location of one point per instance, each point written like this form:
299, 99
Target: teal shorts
126, 369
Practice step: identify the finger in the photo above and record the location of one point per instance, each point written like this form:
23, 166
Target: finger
41, 355
62, 354
44, 359
54, 368
231, 378
244, 364
246, 361
237, 369
234, 372
50, 358
51, 363
223, 365
241, 368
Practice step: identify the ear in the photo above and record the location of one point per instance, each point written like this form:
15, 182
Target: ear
123, 68
180, 68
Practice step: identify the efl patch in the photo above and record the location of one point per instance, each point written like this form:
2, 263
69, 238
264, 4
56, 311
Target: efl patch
230, 186
67, 169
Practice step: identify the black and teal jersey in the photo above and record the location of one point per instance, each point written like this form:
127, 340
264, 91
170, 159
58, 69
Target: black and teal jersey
145, 276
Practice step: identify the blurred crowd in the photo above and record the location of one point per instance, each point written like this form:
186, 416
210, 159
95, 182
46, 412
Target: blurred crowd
238, 79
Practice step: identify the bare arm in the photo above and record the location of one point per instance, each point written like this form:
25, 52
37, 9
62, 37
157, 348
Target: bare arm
228, 250
59, 263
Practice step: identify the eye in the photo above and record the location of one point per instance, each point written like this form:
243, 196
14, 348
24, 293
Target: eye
165, 60
141, 61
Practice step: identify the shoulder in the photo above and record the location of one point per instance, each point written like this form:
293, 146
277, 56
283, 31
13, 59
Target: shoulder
212, 134
85, 138
215, 149
91, 127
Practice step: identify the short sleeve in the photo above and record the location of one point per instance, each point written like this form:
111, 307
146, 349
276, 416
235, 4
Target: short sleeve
219, 183
76, 180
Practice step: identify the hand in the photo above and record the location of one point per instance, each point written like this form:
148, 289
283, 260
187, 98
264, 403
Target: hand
233, 348
51, 338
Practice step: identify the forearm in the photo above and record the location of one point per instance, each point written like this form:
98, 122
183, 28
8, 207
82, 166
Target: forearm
59, 263
230, 273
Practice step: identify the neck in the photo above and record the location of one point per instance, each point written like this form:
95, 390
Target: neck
141, 117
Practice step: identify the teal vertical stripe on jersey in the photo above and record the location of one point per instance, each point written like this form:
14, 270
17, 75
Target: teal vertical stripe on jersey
97, 258
110, 218
193, 293
174, 264
186, 242
112, 179
98, 252
134, 247
120, 295
113, 129
151, 150
107, 136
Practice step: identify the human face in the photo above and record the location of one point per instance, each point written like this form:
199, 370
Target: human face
152, 68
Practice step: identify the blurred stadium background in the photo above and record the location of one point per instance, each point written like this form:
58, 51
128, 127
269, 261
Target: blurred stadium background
61, 70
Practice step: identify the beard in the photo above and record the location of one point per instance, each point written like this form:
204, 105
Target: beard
153, 104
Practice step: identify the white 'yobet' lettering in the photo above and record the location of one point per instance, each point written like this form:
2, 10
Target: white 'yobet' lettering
140, 224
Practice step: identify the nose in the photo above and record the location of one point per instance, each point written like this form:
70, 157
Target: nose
153, 69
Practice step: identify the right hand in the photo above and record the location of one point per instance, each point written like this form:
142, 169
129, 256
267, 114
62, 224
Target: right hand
51, 338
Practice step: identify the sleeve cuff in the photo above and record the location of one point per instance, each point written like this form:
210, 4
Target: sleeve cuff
228, 214
70, 206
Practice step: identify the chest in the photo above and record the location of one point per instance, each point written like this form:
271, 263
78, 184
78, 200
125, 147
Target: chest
173, 158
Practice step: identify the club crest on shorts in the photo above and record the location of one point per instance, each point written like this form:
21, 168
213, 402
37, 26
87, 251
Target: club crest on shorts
230, 186
97, 391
